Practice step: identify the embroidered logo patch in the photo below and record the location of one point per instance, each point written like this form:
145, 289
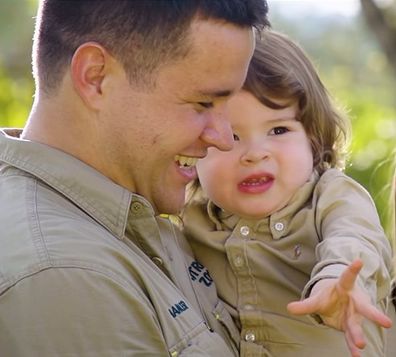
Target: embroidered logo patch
178, 308
199, 272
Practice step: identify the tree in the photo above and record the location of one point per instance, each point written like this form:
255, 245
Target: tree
382, 22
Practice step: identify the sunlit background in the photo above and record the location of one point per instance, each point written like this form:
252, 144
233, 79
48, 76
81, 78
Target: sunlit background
354, 62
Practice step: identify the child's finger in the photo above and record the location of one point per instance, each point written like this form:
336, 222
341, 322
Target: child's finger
306, 306
348, 277
370, 312
354, 331
353, 349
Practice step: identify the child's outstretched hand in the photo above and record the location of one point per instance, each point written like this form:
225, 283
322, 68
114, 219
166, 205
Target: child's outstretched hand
342, 305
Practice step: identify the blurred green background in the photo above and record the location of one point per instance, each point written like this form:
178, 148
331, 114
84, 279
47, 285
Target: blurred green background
354, 52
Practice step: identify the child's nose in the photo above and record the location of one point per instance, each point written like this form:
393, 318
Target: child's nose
255, 153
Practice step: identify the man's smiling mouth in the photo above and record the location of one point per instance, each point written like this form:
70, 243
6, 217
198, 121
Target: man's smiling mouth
186, 161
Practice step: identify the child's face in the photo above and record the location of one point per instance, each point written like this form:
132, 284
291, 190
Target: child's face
270, 161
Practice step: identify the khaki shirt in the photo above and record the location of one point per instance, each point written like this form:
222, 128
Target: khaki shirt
260, 266
86, 269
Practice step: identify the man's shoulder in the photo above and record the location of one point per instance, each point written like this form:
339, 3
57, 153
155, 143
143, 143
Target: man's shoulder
42, 229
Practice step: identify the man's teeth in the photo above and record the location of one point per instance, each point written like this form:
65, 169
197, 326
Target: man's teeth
185, 161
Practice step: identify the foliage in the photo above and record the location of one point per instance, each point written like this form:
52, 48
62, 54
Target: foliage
16, 83
15, 100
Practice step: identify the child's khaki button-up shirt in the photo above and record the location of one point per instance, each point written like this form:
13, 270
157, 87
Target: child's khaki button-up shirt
259, 266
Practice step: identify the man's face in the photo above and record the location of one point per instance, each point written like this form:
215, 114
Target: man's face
154, 136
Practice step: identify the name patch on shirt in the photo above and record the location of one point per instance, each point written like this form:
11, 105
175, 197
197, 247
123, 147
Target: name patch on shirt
178, 308
199, 272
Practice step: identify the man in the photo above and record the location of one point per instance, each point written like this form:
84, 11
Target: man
129, 95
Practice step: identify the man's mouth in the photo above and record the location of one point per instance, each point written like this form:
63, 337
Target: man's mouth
185, 161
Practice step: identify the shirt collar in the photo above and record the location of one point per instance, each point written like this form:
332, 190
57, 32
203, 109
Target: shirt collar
102, 199
226, 220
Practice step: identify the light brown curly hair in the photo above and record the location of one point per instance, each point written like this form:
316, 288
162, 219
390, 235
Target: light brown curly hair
280, 70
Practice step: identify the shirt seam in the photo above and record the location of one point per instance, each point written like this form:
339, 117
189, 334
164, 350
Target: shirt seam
86, 205
34, 222
67, 264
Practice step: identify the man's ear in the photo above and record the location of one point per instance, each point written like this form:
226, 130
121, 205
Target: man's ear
89, 67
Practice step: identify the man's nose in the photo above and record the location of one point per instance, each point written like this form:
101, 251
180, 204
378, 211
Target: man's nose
218, 132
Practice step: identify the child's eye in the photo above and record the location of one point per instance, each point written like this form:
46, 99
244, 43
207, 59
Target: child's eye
279, 130
236, 137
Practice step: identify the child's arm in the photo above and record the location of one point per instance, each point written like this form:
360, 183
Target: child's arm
343, 305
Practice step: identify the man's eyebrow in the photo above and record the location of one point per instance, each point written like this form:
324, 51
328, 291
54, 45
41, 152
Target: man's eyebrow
216, 93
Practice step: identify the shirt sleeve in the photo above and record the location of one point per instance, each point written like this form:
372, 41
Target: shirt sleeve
349, 227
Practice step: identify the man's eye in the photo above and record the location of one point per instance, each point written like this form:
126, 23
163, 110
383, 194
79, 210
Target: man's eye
236, 137
279, 130
206, 105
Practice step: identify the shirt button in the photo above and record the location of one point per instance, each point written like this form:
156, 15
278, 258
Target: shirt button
157, 261
238, 261
279, 226
248, 307
245, 231
136, 207
250, 337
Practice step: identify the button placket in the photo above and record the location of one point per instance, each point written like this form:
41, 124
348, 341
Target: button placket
238, 261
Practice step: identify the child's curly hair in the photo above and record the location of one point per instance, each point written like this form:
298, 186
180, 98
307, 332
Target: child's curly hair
280, 70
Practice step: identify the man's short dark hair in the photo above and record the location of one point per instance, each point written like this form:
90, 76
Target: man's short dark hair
141, 34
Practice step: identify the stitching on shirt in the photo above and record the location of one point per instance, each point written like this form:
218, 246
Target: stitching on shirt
34, 222
194, 332
68, 264
85, 203
251, 275
184, 337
